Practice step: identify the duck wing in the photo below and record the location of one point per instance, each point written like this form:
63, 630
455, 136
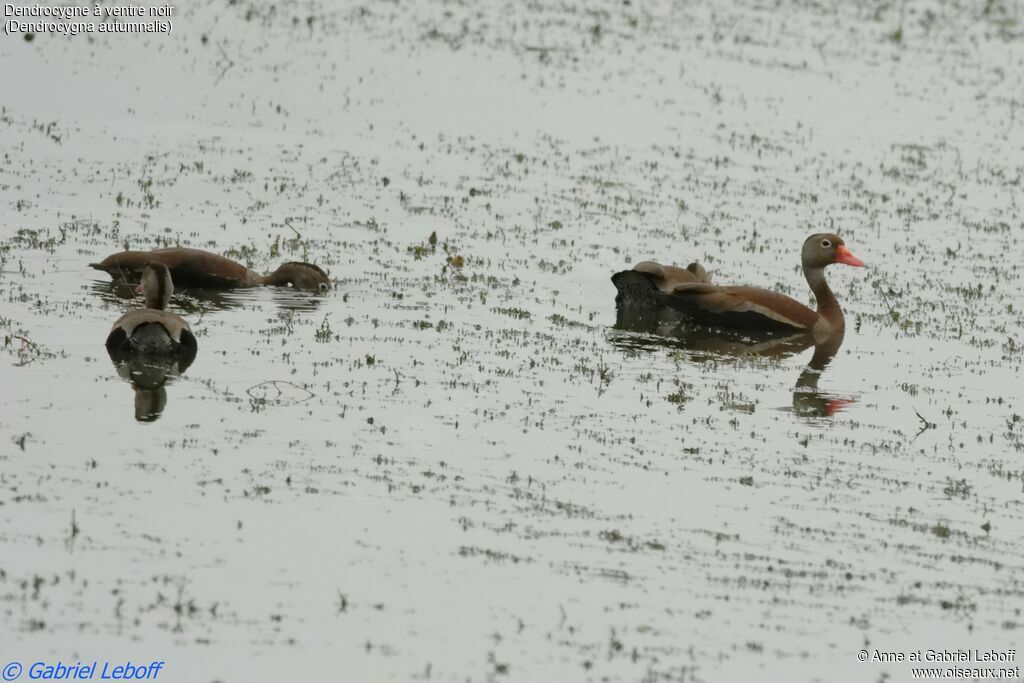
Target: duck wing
749, 308
638, 287
199, 268
667, 277
176, 326
189, 267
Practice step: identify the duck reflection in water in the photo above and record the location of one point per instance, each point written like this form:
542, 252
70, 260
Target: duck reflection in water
807, 400
648, 330
148, 376
199, 301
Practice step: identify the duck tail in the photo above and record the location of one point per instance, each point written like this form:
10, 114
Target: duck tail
635, 290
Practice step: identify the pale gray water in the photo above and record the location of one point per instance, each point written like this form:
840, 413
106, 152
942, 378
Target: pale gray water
471, 474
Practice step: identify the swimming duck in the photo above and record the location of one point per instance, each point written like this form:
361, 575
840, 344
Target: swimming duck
754, 308
152, 330
198, 268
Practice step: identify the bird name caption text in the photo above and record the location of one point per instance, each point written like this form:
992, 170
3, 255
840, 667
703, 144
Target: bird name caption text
84, 671
71, 20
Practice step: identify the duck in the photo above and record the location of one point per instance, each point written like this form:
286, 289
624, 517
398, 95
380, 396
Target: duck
153, 330
199, 268
754, 308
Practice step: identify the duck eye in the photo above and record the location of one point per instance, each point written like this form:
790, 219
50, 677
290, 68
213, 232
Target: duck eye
826, 244
323, 286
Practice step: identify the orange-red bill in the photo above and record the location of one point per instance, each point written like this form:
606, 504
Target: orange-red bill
844, 255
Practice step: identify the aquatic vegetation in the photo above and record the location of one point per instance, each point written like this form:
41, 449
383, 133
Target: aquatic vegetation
461, 442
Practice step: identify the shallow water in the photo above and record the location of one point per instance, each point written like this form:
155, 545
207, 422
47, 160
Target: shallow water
474, 473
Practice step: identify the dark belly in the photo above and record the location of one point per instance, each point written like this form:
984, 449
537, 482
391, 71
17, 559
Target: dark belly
746, 320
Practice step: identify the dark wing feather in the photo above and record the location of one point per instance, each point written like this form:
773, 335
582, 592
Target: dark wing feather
117, 340
636, 289
189, 348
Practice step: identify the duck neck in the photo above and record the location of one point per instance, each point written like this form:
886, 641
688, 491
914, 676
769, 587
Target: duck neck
254, 279
279, 278
157, 294
828, 307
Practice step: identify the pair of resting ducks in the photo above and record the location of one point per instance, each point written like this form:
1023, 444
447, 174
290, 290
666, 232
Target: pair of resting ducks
155, 330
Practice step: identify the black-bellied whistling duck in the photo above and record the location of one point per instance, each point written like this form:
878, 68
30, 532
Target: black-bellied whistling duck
153, 331
754, 308
198, 268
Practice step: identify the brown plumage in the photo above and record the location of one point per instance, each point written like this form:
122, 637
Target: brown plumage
639, 288
761, 309
198, 268
667, 277
153, 330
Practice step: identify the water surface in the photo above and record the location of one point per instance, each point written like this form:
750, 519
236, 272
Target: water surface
477, 472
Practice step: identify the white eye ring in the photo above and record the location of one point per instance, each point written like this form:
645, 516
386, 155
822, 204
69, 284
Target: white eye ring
323, 286
826, 244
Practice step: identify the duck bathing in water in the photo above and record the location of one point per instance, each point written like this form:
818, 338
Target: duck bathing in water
153, 331
651, 286
198, 268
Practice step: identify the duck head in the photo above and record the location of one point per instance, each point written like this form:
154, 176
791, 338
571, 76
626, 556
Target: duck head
824, 249
300, 275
